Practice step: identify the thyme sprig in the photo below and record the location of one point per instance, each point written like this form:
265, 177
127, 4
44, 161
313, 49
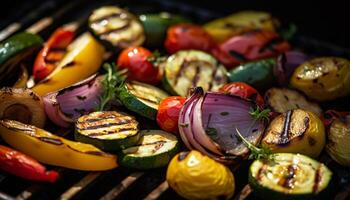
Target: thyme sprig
259, 114
113, 80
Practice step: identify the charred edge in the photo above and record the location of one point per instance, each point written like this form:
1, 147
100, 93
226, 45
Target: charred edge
271, 45
96, 153
122, 28
51, 140
107, 17
70, 64
183, 155
34, 96
284, 137
288, 180
306, 126
253, 97
113, 132
261, 171
102, 126
317, 180
71, 88
237, 56
196, 76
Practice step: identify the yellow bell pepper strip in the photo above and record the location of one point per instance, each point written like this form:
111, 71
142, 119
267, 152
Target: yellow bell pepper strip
196, 176
235, 24
22, 79
51, 149
83, 59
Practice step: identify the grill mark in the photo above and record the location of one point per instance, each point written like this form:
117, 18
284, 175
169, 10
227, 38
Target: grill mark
271, 45
70, 64
112, 132
149, 100
152, 143
51, 140
127, 25
100, 126
261, 171
213, 75
183, 66
106, 17
284, 137
237, 56
317, 180
97, 153
196, 76
99, 118
288, 181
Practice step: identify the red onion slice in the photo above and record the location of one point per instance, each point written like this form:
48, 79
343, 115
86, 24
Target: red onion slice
286, 64
67, 105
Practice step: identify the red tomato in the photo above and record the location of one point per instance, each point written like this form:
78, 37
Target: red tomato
188, 36
53, 52
243, 90
250, 46
139, 68
168, 113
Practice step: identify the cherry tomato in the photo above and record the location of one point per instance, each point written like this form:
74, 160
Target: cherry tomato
243, 90
139, 68
250, 46
53, 52
168, 113
188, 36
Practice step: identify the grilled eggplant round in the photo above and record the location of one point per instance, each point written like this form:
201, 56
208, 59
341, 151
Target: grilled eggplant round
116, 28
107, 130
22, 105
296, 131
281, 100
191, 68
289, 177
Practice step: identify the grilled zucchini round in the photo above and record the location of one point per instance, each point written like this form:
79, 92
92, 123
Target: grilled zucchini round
107, 130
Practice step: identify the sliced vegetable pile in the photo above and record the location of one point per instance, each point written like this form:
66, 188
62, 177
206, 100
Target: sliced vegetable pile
240, 92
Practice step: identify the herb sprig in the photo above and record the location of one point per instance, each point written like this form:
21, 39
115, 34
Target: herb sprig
258, 114
112, 82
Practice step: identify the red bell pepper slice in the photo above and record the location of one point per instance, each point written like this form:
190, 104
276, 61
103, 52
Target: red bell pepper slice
24, 166
250, 46
53, 51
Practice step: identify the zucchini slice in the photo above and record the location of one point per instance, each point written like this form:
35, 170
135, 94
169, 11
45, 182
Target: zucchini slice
155, 149
289, 176
141, 98
192, 68
107, 130
282, 100
116, 28
13, 51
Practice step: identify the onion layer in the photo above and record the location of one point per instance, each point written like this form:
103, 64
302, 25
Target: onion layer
67, 105
208, 124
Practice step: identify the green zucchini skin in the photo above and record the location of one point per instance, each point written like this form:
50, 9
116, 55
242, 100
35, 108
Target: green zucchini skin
122, 122
127, 32
134, 103
192, 68
269, 193
13, 51
258, 74
156, 25
150, 161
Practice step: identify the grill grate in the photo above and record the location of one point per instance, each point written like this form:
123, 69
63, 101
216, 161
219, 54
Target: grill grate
123, 183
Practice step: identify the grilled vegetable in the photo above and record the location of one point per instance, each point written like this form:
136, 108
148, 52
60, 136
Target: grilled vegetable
281, 100
13, 51
324, 78
156, 25
116, 28
196, 176
258, 74
51, 149
52, 53
135, 60
155, 149
338, 140
187, 69
250, 46
296, 131
22, 78
107, 130
289, 177
141, 98
235, 24
243, 90
186, 37
24, 166
83, 59
168, 113
22, 105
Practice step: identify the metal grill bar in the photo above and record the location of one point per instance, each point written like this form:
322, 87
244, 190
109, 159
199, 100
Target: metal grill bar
4, 196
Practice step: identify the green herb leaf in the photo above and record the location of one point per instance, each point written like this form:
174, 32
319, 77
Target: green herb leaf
212, 133
112, 82
156, 58
255, 152
258, 114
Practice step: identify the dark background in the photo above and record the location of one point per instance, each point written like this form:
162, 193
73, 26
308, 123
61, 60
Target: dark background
324, 20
